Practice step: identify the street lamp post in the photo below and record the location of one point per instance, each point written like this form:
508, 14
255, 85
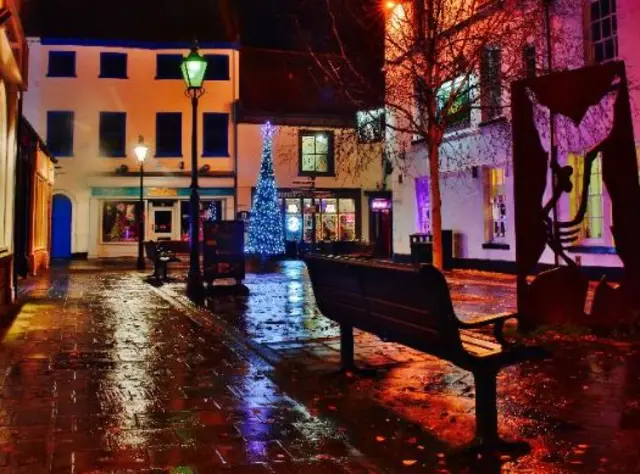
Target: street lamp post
193, 68
141, 151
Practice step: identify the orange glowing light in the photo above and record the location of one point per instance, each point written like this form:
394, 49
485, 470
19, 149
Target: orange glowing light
391, 5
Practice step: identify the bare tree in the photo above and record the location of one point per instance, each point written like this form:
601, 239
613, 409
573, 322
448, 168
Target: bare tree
445, 62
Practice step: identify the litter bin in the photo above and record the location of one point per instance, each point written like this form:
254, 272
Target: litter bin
421, 248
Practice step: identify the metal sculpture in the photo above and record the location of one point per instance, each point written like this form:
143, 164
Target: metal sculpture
573, 95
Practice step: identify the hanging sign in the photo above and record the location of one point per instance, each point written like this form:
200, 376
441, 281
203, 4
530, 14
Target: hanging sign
380, 204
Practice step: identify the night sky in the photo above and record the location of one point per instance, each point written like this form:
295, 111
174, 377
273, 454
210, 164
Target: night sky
272, 24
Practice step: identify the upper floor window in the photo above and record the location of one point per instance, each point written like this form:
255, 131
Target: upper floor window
316, 153
62, 64
113, 126
168, 66
454, 105
603, 25
529, 61
113, 65
60, 133
495, 205
216, 135
370, 125
490, 83
217, 68
168, 134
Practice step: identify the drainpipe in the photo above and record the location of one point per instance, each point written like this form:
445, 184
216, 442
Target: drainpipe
236, 105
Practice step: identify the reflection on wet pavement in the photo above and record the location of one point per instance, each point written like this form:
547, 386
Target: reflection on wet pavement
103, 374
579, 411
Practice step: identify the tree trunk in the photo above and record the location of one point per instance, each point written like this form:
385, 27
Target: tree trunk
436, 203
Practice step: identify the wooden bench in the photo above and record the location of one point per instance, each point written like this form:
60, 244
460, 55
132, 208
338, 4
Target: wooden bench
413, 307
162, 253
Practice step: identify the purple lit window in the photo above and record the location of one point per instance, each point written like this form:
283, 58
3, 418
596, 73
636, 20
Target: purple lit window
424, 209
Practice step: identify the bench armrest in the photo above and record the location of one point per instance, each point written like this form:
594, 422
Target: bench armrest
487, 320
497, 320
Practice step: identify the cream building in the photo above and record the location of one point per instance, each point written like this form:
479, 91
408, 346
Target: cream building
91, 100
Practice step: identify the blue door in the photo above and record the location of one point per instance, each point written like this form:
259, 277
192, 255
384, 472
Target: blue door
61, 227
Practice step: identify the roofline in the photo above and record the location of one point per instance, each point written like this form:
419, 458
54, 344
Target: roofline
115, 43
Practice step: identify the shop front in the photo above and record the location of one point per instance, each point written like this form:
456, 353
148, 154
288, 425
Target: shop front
167, 214
336, 212
381, 223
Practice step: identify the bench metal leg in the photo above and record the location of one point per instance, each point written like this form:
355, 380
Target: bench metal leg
346, 347
486, 407
487, 442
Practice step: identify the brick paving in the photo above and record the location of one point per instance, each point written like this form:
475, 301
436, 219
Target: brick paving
102, 373
580, 411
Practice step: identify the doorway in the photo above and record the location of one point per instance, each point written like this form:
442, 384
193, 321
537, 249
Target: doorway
61, 227
164, 220
380, 226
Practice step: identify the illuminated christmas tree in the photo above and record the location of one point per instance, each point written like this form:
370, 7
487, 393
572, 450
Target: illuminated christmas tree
266, 236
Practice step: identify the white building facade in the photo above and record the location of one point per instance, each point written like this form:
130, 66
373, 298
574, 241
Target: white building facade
92, 100
477, 191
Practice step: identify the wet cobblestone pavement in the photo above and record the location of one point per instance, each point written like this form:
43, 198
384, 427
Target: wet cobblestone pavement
101, 373
580, 411
105, 373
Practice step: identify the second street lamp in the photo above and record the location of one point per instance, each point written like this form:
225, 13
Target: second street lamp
193, 68
141, 151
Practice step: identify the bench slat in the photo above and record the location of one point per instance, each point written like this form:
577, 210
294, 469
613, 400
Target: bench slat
476, 340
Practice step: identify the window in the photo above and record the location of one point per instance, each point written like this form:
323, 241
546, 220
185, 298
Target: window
496, 205
210, 211
335, 219
119, 221
62, 64
603, 24
217, 68
424, 210
370, 125
316, 153
529, 60
113, 65
168, 66
168, 134
113, 127
454, 95
216, 134
593, 224
347, 210
60, 133
490, 83
292, 220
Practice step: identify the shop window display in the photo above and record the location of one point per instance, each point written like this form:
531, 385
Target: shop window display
119, 223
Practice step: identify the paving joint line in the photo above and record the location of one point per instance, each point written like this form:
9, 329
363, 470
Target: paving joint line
258, 349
